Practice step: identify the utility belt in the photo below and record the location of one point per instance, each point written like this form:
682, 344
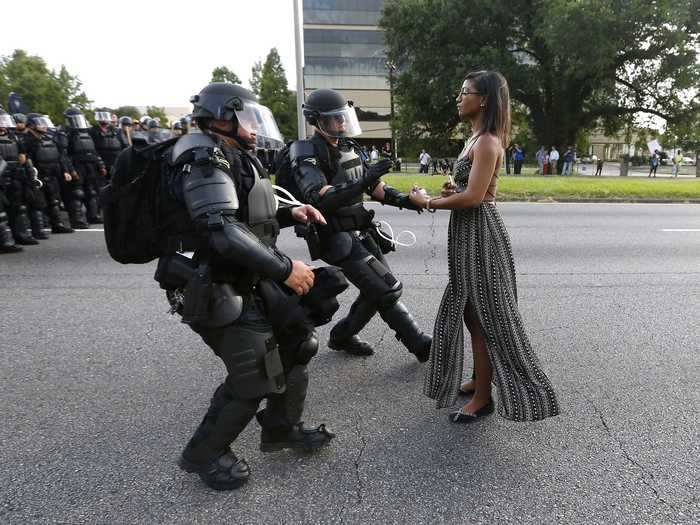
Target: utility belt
347, 219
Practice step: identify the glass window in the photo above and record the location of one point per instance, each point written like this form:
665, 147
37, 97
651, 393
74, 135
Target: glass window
340, 36
361, 12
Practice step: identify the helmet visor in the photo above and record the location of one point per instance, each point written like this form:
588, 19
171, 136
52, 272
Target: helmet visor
340, 122
257, 118
6, 121
103, 116
77, 122
43, 122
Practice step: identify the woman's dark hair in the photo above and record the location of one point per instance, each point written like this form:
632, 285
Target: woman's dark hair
493, 86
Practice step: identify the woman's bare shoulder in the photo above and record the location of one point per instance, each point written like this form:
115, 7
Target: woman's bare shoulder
488, 143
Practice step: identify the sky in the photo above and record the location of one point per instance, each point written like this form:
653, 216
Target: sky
144, 53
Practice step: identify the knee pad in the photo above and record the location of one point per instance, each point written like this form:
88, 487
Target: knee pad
307, 349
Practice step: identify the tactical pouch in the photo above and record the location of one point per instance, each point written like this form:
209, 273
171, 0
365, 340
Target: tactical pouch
312, 238
197, 295
174, 271
385, 245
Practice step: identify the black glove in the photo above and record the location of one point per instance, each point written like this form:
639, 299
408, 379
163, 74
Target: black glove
375, 171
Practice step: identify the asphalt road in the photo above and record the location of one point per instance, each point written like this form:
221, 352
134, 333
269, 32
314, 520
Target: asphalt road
101, 389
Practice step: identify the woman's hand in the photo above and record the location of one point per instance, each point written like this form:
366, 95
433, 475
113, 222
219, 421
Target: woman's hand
419, 196
448, 189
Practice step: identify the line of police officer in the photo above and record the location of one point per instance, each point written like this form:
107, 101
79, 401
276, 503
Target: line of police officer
45, 168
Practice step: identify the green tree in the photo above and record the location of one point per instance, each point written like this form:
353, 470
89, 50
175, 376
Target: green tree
255, 77
274, 93
224, 74
128, 111
156, 112
43, 90
573, 64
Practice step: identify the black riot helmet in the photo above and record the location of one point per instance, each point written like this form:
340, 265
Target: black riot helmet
224, 101
39, 122
20, 118
126, 121
75, 119
6, 120
328, 111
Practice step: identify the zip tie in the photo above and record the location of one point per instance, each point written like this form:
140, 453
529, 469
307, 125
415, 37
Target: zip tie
395, 240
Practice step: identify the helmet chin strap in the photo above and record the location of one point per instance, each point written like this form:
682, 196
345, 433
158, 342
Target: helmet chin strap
233, 135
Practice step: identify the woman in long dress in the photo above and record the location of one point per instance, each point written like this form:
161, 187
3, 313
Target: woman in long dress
482, 290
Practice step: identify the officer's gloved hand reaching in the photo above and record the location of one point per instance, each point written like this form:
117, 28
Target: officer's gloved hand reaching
375, 171
301, 279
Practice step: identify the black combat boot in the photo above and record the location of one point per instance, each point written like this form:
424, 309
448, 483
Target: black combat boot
57, 225
407, 331
344, 336
226, 472
7, 242
208, 453
22, 228
296, 437
36, 218
76, 215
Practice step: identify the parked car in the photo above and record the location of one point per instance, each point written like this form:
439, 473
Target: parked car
689, 161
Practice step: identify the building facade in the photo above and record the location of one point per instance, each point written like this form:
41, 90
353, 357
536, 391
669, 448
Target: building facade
344, 50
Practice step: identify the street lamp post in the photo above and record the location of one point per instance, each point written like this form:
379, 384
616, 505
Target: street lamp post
392, 69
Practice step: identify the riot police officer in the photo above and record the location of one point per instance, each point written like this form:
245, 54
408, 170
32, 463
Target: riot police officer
7, 242
106, 140
18, 186
328, 172
41, 147
85, 166
218, 184
125, 131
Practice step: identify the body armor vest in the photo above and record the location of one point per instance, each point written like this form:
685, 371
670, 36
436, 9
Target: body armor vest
46, 152
107, 144
8, 149
81, 145
262, 209
348, 168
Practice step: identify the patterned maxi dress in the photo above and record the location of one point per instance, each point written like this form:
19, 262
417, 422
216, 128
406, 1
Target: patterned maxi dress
482, 273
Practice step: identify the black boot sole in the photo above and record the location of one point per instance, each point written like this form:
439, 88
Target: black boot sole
193, 468
279, 446
349, 350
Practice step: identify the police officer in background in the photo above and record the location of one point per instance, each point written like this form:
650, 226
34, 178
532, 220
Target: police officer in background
328, 172
7, 241
85, 166
106, 140
125, 131
18, 187
41, 147
218, 183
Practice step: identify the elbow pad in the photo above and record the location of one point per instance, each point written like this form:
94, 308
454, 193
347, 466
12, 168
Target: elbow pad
394, 197
234, 242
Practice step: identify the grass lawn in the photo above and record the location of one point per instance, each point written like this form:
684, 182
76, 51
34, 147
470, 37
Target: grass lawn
600, 188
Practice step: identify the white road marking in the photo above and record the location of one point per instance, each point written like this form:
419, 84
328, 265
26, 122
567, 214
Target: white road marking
681, 230
91, 230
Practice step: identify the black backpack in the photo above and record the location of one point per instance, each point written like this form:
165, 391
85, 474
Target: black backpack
132, 202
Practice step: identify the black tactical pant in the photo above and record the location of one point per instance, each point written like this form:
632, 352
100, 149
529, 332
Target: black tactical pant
89, 182
378, 293
51, 176
233, 405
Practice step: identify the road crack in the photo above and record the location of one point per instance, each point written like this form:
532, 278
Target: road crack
647, 477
